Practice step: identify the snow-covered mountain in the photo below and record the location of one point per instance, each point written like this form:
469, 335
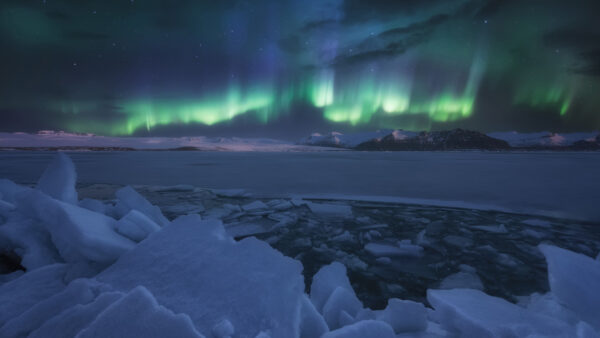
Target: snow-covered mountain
54, 140
543, 139
454, 140
336, 139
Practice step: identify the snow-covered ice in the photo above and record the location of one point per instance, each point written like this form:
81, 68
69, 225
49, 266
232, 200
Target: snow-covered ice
58, 180
233, 276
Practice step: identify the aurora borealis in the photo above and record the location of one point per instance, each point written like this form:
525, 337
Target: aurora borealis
288, 68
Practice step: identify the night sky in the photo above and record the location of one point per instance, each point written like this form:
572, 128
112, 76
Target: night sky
284, 69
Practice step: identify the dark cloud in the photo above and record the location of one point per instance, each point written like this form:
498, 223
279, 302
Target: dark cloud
584, 43
591, 63
392, 42
363, 10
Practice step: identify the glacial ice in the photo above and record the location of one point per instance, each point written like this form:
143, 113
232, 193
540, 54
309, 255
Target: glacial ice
463, 280
59, 179
574, 280
71, 321
19, 295
214, 278
138, 314
404, 315
128, 199
136, 226
147, 276
325, 281
472, 313
362, 329
78, 234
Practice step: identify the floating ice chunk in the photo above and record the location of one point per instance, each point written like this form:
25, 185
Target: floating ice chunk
498, 229
574, 279
355, 263
138, 314
341, 300
255, 206
223, 329
325, 281
217, 213
331, 210
533, 233
472, 313
283, 219
59, 179
128, 199
77, 292
297, 202
31, 288
136, 226
93, 205
194, 267
466, 280
312, 323
422, 239
548, 305
404, 315
403, 249
458, 241
537, 223
507, 260
343, 237
71, 321
363, 329
284, 205
10, 190
78, 234
230, 192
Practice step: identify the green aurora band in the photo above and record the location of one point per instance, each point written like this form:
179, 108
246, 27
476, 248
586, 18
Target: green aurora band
345, 102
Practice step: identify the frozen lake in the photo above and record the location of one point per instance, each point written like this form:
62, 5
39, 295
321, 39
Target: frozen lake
561, 184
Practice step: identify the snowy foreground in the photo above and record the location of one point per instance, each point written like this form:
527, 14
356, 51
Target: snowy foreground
122, 269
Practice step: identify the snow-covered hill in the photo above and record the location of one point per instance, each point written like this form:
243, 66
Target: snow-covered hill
542, 139
454, 140
62, 140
